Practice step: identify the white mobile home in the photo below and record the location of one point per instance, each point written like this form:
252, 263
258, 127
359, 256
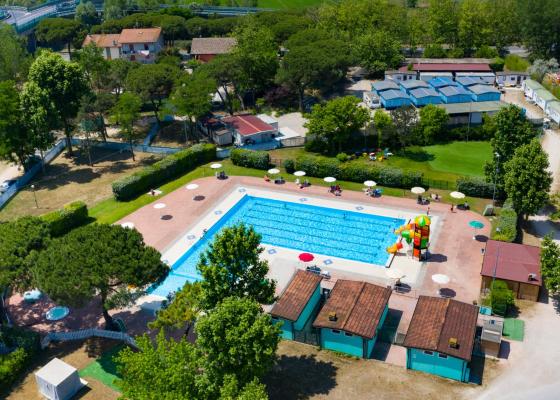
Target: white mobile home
553, 111
511, 78
529, 87
401, 75
542, 97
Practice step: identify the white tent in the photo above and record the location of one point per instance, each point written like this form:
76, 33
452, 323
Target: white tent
58, 380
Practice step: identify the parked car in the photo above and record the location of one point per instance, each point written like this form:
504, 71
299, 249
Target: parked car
4, 186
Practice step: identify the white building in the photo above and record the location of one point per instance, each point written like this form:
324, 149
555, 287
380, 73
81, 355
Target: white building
529, 87
487, 77
401, 75
543, 97
58, 380
553, 111
140, 45
510, 78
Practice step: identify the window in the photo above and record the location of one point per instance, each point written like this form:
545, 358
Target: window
348, 334
146, 46
428, 353
442, 355
335, 331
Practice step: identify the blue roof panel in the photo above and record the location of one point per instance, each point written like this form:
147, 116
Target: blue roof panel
453, 91
414, 84
423, 92
442, 81
480, 89
394, 94
384, 85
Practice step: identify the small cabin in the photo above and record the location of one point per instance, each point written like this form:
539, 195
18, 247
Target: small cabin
530, 87
297, 304
491, 336
408, 86
553, 111
382, 86
423, 96
352, 317
511, 78
440, 338
483, 92
442, 81
543, 98
455, 94
391, 99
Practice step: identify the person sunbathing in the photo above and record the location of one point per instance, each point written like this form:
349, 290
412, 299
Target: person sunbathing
266, 178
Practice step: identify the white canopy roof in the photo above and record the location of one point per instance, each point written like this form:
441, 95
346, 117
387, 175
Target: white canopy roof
56, 372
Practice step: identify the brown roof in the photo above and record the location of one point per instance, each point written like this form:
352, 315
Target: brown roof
448, 67
512, 262
358, 307
142, 35
103, 40
436, 320
297, 294
212, 45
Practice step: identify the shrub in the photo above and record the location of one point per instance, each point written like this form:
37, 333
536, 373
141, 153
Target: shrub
515, 63
289, 165
500, 297
342, 157
475, 187
250, 158
12, 364
486, 52
434, 51
497, 64
67, 218
506, 227
318, 166
162, 171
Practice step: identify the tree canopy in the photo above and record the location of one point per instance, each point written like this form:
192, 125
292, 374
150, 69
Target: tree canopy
232, 267
56, 32
433, 124
126, 111
184, 308
98, 260
527, 179
14, 59
550, 264
377, 52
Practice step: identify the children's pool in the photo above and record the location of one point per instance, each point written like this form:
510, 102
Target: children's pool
320, 230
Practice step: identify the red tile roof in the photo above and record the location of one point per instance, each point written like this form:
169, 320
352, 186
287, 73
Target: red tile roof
142, 35
248, 125
436, 320
103, 40
296, 296
449, 67
212, 45
512, 262
358, 307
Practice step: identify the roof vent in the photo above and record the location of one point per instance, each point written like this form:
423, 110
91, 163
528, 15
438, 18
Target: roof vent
453, 343
332, 316
532, 277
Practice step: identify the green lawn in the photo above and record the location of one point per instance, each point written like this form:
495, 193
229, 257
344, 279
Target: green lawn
104, 369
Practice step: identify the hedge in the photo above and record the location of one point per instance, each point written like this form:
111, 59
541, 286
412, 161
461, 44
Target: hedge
357, 171
506, 227
162, 171
250, 158
12, 364
67, 218
475, 187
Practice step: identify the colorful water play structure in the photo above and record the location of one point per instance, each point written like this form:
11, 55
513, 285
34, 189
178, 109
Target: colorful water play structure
415, 234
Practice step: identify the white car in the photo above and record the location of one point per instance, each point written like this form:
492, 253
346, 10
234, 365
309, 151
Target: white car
4, 186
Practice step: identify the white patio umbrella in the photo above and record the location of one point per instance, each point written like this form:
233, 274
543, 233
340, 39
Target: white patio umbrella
273, 171
128, 225
370, 183
216, 166
191, 186
299, 173
329, 179
394, 273
160, 206
457, 195
440, 279
417, 190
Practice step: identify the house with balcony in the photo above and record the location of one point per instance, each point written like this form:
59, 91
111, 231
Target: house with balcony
140, 45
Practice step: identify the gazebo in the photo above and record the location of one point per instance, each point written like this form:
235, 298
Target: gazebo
58, 380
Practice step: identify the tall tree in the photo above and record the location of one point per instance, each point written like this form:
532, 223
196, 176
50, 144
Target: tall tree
126, 112
238, 339
118, 71
56, 32
86, 13
14, 59
433, 124
98, 260
153, 83
539, 24
512, 130
334, 122
224, 71
405, 121
475, 26
64, 83
192, 98
183, 309
442, 21
232, 267
14, 139
95, 67
18, 240
527, 179
550, 264
378, 51
383, 126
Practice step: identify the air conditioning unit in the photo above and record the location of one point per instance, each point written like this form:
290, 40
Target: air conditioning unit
453, 343
332, 316
532, 277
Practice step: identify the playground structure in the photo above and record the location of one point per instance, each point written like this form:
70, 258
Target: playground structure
416, 234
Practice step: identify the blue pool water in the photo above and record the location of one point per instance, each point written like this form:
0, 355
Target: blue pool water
320, 230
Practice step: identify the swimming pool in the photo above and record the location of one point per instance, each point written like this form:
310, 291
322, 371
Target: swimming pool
321, 230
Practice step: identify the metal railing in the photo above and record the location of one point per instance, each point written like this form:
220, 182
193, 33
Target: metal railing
85, 334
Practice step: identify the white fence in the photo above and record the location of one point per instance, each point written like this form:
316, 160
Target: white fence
85, 334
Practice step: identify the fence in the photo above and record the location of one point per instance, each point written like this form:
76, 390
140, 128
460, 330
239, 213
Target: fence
293, 141
85, 334
120, 146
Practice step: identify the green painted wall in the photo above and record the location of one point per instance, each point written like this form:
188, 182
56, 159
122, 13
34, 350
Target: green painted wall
309, 307
450, 367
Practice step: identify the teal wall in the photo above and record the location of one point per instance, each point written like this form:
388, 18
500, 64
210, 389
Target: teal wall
450, 367
348, 343
308, 309
286, 328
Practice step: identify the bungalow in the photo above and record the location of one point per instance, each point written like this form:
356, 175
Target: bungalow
455, 94
553, 111
485, 77
518, 265
391, 99
407, 86
205, 49
430, 68
468, 81
249, 129
382, 86
108, 43
511, 78
441, 81
485, 93
543, 97
141, 45
424, 96
440, 337
530, 87
401, 75
428, 76
297, 303
351, 318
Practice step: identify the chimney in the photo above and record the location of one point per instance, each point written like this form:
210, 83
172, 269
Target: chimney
332, 316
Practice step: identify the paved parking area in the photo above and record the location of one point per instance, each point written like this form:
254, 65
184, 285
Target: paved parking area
293, 121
